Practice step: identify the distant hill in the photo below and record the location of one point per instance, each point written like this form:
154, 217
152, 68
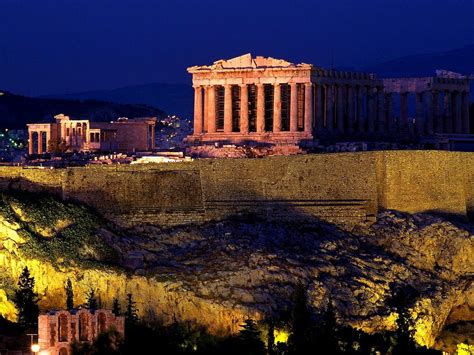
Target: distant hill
178, 99
174, 99
459, 60
16, 110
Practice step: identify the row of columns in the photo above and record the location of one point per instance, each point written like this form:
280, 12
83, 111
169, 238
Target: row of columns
39, 142
436, 114
344, 109
348, 109
205, 117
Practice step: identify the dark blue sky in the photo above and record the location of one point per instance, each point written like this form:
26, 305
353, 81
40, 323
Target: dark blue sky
59, 46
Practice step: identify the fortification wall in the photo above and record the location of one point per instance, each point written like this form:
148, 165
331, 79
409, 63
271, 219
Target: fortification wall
347, 187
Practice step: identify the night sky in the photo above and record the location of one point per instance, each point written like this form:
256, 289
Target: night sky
61, 46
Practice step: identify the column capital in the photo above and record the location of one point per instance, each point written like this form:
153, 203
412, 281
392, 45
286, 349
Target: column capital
308, 85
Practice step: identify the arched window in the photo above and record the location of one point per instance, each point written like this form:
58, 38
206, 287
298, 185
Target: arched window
102, 320
63, 327
83, 336
63, 351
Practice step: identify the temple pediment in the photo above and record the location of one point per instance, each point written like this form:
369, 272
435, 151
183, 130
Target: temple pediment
246, 61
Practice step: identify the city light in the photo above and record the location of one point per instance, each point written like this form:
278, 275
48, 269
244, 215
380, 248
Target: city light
35, 348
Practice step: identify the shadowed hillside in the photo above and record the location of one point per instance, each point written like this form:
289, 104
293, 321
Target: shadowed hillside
16, 110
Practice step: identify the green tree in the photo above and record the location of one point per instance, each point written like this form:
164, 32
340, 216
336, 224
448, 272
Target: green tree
131, 314
69, 295
26, 300
91, 300
116, 307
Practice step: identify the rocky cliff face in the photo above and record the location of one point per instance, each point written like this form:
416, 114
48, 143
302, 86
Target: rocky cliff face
219, 273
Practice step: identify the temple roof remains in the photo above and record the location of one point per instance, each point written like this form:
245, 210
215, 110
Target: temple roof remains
246, 61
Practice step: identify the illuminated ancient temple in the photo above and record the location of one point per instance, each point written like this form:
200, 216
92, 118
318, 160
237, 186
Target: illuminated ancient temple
269, 100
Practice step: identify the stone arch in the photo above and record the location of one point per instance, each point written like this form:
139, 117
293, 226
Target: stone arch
101, 322
83, 327
63, 328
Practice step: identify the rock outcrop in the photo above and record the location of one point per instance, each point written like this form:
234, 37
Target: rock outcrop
219, 273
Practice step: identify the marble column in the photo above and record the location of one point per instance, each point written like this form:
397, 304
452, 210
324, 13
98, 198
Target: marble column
40, 142
371, 108
260, 109
319, 108
153, 136
48, 139
360, 109
389, 113
244, 109
457, 113
293, 107
329, 108
381, 113
63, 132
448, 112
227, 108
211, 110
350, 109
206, 111
404, 125
30, 142
197, 110
465, 113
438, 118
340, 108
420, 114
428, 101
308, 108
276, 108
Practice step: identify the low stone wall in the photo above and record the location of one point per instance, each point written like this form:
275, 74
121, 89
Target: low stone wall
346, 187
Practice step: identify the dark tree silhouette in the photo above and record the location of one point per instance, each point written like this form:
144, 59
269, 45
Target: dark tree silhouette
249, 339
69, 295
299, 341
131, 314
26, 300
116, 307
271, 338
91, 300
107, 343
403, 296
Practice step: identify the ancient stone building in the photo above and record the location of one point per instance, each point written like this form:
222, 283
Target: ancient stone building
245, 99
124, 135
58, 329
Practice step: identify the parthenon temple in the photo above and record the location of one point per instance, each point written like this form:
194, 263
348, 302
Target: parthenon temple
269, 100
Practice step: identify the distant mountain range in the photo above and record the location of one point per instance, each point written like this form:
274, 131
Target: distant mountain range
178, 98
459, 60
174, 99
16, 110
